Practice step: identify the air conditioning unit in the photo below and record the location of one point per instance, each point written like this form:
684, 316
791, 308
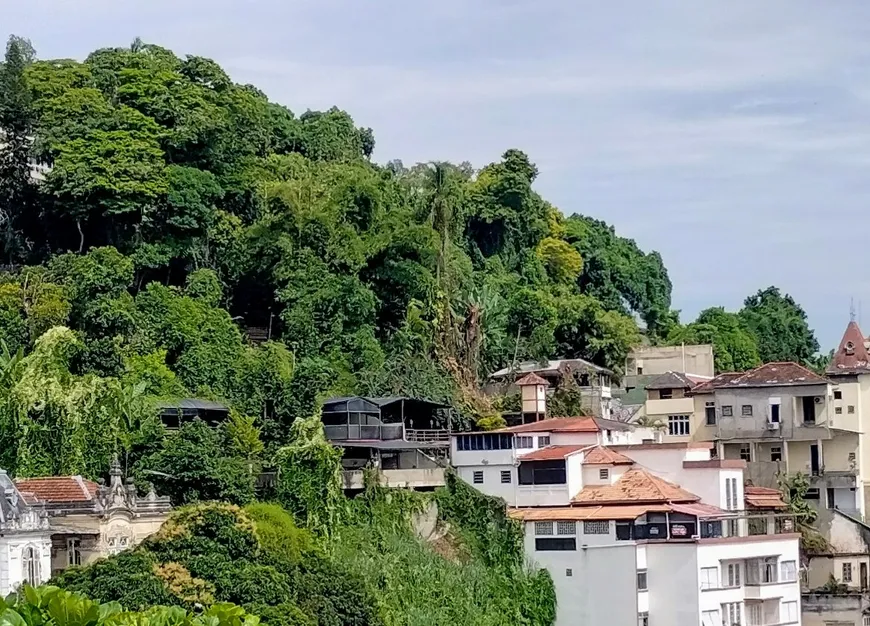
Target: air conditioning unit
818, 399
773, 426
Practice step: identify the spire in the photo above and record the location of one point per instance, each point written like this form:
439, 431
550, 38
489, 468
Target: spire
851, 354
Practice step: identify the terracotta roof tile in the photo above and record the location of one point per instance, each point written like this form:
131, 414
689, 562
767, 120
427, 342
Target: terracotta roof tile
718, 381
569, 425
551, 453
773, 375
59, 488
635, 486
851, 355
568, 513
531, 379
599, 455
763, 498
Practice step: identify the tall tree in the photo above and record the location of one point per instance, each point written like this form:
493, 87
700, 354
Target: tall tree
16, 127
734, 348
779, 326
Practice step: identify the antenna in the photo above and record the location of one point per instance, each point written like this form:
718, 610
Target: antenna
851, 309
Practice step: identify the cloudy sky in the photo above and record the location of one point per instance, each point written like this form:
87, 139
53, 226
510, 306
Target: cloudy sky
733, 137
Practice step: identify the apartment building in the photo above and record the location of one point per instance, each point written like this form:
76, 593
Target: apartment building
782, 418
646, 362
670, 406
635, 531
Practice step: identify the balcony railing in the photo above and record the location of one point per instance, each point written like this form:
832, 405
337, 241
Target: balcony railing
426, 436
350, 432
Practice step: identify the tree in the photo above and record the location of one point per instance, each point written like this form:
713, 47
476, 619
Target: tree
16, 128
779, 326
734, 348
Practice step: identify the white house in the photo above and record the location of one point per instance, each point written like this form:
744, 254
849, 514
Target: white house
637, 532
25, 540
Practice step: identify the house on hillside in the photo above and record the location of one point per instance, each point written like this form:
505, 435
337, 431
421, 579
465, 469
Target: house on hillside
405, 439
593, 381
89, 520
174, 414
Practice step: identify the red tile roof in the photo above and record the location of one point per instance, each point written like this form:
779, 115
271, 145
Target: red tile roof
720, 380
531, 379
599, 455
557, 425
851, 355
770, 375
551, 453
635, 486
763, 498
568, 513
59, 488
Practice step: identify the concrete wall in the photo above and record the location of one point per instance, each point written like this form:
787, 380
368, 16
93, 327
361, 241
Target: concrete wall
760, 399
602, 587
660, 359
672, 578
825, 609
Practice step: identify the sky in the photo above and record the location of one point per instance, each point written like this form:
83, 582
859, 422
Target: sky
732, 137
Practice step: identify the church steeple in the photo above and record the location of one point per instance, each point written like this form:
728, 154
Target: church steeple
851, 355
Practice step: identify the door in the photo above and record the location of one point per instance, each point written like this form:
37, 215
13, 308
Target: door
862, 569
814, 459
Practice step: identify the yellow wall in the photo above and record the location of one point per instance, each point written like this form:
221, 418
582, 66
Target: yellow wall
836, 451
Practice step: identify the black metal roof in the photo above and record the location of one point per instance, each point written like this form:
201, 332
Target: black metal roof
194, 404
360, 404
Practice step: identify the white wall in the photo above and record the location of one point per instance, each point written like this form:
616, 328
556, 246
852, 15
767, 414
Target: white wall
672, 579
492, 484
12, 568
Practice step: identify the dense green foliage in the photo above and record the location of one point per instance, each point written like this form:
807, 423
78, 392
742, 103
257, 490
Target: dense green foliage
50, 606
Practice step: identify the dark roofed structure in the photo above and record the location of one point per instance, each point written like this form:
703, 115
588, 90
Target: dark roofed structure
676, 380
172, 414
775, 375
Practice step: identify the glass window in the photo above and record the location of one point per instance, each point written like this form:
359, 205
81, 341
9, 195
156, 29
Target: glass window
709, 578
666, 394
727, 410
604, 474
789, 571
544, 441
710, 413
710, 618
838, 395
731, 614
31, 566
776, 453
746, 452
478, 478
789, 613
678, 425
641, 580
74, 551
732, 574
838, 410
525, 442
596, 528
746, 410
850, 408
505, 477
543, 528
847, 572
643, 619
566, 528
555, 544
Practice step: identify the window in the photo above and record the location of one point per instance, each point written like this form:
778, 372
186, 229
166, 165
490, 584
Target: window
727, 411
484, 441
847, 572
604, 474
74, 551
709, 578
732, 575
789, 613
566, 528
505, 477
838, 410
525, 442
788, 571
678, 425
643, 619
812, 494
31, 566
731, 614
710, 413
776, 453
710, 618
838, 395
596, 528
774, 413
478, 478
851, 457
555, 544
542, 472
641, 580
569, 572
850, 409
746, 452
830, 495
543, 528
639, 369
666, 394
755, 613
761, 571
746, 410
544, 441
731, 499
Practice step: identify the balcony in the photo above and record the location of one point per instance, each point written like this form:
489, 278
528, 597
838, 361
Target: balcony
376, 432
542, 495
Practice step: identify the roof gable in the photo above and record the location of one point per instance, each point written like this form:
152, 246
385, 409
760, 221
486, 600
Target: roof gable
634, 486
599, 455
59, 488
851, 354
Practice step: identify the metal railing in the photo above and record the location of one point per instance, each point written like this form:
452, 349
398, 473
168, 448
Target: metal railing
350, 432
427, 435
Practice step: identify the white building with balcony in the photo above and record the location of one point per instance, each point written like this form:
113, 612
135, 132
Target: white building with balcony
637, 532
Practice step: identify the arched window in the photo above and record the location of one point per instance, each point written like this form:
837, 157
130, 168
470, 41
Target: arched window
31, 566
